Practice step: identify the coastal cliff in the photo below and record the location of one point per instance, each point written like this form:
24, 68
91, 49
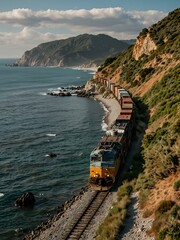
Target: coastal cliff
84, 50
144, 45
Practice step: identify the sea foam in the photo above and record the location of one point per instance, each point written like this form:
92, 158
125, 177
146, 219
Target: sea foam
1, 194
51, 134
104, 126
43, 94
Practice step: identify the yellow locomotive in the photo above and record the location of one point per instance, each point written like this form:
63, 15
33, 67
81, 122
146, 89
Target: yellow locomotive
107, 157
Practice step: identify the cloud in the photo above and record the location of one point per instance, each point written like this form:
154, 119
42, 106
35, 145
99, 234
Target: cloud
26, 36
14, 44
93, 18
33, 27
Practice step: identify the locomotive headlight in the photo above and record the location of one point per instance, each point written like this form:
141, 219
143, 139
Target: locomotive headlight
96, 174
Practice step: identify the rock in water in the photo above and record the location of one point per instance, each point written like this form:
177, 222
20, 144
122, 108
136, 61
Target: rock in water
26, 200
51, 155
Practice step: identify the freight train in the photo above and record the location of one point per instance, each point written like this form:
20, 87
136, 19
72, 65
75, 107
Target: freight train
109, 155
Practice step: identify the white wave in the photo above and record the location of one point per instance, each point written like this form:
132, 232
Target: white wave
92, 73
51, 134
104, 126
78, 77
80, 154
43, 94
1, 194
104, 107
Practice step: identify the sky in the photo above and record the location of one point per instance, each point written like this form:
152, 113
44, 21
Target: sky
25, 24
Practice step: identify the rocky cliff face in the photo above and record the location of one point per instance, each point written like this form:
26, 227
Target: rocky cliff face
143, 45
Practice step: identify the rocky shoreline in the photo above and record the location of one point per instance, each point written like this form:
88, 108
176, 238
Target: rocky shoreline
61, 210
71, 91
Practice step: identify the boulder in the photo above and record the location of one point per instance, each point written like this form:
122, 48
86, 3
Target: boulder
26, 200
51, 155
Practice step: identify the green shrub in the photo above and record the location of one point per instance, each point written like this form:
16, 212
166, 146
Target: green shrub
175, 213
164, 207
114, 210
177, 185
145, 71
124, 190
176, 128
163, 234
144, 32
174, 231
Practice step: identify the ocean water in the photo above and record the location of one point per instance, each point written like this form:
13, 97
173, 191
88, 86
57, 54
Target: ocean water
32, 124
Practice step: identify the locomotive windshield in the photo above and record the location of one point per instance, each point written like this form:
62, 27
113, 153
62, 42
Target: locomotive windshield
95, 158
109, 156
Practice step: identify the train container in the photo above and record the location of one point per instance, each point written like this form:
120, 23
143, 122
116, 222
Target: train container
107, 83
126, 103
122, 128
112, 87
116, 91
122, 93
123, 118
126, 117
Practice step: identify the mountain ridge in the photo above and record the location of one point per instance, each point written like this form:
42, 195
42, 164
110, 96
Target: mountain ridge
83, 50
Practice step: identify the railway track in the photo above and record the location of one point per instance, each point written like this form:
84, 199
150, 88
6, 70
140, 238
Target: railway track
75, 230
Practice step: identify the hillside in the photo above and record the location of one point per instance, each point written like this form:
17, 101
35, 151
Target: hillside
87, 50
148, 60
150, 71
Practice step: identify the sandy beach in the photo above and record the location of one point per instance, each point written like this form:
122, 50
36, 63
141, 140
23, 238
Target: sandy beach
112, 106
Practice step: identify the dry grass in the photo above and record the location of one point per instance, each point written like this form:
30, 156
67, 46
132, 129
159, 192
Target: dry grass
164, 190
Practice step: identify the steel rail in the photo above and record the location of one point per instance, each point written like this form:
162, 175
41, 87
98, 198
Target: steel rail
76, 230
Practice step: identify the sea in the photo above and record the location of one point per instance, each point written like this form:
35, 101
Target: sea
33, 124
